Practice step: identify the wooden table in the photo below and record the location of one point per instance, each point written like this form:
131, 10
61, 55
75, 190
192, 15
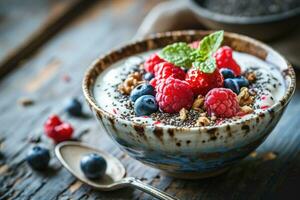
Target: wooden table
52, 48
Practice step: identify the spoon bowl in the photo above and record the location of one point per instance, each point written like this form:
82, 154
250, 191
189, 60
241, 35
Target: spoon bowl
70, 154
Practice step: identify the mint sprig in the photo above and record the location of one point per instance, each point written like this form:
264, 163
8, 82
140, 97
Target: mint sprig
178, 54
210, 45
208, 66
182, 55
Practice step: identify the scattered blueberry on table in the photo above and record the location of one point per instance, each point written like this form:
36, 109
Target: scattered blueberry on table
74, 107
141, 90
38, 158
93, 165
145, 105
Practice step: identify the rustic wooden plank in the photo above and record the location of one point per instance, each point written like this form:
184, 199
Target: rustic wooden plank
28, 25
72, 50
43, 89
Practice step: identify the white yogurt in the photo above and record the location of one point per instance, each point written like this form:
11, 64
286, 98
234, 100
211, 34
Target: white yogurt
105, 87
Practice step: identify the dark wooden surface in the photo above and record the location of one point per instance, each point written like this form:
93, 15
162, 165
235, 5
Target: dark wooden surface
273, 173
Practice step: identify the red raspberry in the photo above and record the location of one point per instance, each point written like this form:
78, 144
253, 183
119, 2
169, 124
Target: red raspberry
222, 102
194, 44
155, 82
173, 95
58, 130
225, 60
201, 82
165, 70
62, 132
151, 62
53, 120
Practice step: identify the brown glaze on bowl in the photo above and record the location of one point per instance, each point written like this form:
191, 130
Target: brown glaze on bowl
190, 152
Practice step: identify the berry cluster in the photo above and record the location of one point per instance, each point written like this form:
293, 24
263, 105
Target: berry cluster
38, 157
170, 88
58, 130
176, 89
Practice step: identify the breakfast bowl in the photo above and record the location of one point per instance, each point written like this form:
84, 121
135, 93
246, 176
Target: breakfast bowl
181, 151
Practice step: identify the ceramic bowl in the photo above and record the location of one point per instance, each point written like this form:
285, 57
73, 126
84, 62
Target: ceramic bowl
265, 28
190, 152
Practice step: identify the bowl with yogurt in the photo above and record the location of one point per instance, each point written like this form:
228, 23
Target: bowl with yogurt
190, 103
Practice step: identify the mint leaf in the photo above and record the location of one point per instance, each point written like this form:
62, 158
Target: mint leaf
208, 66
181, 54
209, 45
178, 54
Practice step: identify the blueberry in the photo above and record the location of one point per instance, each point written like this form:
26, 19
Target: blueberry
232, 84
74, 107
242, 81
93, 165
227, 73
140, 90
148, 76
145, 105
38, 158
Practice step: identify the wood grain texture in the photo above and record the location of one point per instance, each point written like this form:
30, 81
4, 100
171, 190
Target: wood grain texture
27, 25
107, 25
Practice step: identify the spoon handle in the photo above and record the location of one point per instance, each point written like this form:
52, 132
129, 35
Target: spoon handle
134, 182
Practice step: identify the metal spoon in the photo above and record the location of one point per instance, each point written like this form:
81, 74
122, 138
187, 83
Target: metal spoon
70, 154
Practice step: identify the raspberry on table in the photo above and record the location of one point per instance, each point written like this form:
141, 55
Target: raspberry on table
173, 95
53, 120
166, 69
225, 60
222, 102
202, 83
57, 130
151, 62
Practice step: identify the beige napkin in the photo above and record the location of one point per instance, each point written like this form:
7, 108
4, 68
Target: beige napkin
176, 15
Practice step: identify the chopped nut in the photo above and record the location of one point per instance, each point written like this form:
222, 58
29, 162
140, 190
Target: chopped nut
198, 103
25, 101
269, 156
130, 83
244, 97
251, 77
203, 114
246, 109
253, 154
183, 114
203, 121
